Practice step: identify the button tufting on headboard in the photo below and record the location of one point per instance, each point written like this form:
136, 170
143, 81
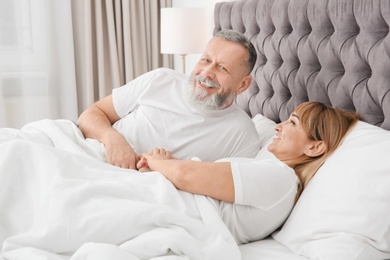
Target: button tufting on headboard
333, 51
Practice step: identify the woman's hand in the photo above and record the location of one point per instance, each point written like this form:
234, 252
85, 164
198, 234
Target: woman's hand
146, 161
142, 165
160, 154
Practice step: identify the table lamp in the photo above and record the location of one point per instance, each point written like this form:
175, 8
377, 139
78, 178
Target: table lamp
183, 31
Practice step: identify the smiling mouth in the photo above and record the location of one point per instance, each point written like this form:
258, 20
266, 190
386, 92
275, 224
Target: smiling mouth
207, 83
276, 137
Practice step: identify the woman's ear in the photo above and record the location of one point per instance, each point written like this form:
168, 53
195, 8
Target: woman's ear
245, 83
316, 148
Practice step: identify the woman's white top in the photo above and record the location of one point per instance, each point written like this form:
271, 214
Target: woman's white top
265, 191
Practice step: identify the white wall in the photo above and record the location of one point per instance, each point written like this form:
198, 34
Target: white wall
191, 59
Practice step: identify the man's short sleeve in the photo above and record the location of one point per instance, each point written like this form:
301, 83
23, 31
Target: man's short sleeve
125, 98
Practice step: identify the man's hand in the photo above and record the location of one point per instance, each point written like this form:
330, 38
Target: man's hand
96, 122
120, 153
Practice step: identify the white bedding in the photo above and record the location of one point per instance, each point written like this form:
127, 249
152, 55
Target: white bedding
60, 201
267, 249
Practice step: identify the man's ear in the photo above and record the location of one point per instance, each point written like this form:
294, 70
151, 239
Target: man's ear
316, 148
245, 84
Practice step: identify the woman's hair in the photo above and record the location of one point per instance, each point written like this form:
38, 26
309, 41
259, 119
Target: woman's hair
322, 123
237, 37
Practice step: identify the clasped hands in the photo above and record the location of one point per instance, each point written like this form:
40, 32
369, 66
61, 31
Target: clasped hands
147, 160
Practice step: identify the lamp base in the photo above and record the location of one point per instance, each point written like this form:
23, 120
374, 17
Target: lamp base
183, 60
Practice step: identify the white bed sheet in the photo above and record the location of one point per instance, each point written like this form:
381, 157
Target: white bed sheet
267, 249
59, 201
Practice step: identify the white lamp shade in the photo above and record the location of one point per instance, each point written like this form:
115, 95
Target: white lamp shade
183, 30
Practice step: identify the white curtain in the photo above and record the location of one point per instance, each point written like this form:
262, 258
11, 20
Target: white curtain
37, 65
59, 56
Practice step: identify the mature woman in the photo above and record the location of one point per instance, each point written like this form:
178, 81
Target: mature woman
255, 196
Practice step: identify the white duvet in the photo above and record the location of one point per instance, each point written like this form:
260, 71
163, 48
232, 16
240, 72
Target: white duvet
59, 200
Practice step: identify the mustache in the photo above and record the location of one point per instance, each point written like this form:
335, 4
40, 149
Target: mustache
206, 82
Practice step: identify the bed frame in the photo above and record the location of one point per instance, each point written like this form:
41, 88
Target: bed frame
333, 51
336, 52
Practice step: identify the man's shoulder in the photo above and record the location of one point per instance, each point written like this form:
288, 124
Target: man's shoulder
240, 114
243, 122
159, 75
167, 71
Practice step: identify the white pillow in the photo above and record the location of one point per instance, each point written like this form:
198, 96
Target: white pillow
344, 213
265, 128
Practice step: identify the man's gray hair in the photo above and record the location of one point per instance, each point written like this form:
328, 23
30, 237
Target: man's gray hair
237, 37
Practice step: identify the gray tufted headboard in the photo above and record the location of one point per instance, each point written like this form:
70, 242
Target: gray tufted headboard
333, 51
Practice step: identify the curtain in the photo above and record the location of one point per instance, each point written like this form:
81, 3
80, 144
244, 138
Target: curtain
37, 68
115, 41
58, 57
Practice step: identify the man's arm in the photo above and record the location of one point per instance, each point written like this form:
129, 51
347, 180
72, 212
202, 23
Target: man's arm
96, 122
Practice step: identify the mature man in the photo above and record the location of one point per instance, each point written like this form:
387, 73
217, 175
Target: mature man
195, 117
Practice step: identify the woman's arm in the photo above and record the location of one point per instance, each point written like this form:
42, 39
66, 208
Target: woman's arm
213, 179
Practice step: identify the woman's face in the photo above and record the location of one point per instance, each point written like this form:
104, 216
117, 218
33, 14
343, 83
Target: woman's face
291, 140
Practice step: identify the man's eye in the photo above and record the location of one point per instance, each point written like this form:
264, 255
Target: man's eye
222, 68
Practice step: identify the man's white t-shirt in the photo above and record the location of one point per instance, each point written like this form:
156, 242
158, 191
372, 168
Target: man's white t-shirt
265, 192
154, 113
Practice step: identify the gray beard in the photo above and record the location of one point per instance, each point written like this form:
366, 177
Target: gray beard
199, 99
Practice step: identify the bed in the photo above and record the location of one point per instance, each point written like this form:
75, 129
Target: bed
60, 201
336, 52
